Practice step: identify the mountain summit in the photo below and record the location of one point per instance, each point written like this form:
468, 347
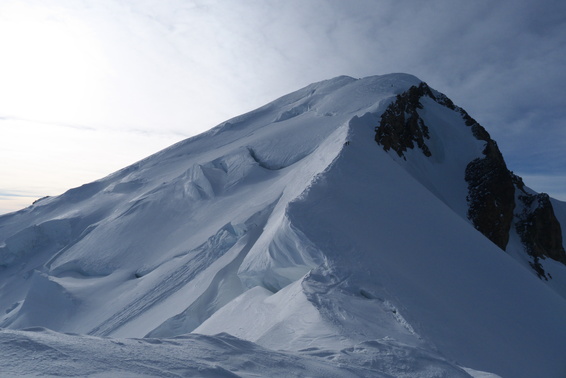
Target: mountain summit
356, 227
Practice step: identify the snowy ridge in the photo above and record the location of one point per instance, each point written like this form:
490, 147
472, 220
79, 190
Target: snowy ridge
288, 227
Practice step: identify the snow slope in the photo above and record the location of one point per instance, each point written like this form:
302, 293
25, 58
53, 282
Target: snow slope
41, 352
288, 227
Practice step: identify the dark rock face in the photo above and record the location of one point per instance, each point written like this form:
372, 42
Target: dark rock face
491, 193
491, 200
401, 126
540, 231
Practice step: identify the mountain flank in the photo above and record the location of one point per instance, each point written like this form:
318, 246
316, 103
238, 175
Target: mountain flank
353, 228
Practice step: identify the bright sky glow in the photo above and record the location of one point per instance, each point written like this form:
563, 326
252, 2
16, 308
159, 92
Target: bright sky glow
51, 64
41, 156
87, 87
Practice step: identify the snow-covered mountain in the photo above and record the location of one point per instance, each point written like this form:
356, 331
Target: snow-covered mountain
356, 227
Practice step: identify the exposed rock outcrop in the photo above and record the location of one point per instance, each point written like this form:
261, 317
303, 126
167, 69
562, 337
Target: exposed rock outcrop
491, 199
401, 126
491, 193
539, 230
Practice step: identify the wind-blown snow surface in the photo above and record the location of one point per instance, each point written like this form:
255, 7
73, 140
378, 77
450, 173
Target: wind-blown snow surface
288, 227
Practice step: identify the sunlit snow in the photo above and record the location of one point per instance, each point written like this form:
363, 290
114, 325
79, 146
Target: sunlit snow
284, 242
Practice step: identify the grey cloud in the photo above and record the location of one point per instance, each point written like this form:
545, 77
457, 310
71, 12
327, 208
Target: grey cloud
183, 66
18, 193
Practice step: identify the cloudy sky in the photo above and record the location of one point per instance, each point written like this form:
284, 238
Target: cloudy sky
90, 86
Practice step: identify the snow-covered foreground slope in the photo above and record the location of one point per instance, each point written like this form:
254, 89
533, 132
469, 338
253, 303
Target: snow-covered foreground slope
291, 228
38, 351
